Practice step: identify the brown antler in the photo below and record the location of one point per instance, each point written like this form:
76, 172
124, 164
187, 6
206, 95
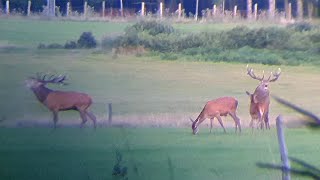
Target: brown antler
251, 74
275, 76
52, 79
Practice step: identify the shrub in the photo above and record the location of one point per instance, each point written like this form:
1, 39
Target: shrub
70, 45
235, 38
301, 26
41, 46
152, 27
109, 42
87, 40
169, 56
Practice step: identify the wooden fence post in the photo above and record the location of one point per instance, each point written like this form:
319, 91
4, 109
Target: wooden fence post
283, 149
29, 8
179, 10
7, 7
249, 9
51, 5
197, 10
256, 11
121, 8
161, 10
235, 11
142, 9
103, 8
85, 6
272, 9
110, 113
214, 10
68, 9
289, 11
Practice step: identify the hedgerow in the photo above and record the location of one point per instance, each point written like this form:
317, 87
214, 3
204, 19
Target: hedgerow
266, 45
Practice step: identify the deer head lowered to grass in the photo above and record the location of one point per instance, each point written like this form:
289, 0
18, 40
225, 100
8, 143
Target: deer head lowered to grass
57, 101
260, 99
215, 109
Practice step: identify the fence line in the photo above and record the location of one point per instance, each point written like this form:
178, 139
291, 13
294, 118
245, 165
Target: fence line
283, 149
287, 14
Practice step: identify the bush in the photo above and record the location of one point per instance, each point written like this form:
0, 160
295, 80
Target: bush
70, 45
301, 26
152, 27
236, 38
41, 46
169, 56
87, 40
109, 42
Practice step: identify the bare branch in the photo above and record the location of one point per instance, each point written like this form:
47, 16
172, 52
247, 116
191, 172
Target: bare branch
316, 119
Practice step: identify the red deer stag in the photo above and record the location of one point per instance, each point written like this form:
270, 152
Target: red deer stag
57, 101
260, 99
215, 109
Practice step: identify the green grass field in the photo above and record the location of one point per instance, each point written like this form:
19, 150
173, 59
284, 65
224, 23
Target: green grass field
148, 153
146, 92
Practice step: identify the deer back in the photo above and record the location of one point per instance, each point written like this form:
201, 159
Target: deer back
63, 100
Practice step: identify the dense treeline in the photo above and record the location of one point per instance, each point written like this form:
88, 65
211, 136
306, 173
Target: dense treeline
151, 5
294, 44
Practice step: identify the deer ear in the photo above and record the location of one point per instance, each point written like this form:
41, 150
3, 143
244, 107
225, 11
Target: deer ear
249, 94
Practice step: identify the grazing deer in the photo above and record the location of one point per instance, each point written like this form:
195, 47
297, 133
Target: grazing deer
57, 101
260, 99
215, 109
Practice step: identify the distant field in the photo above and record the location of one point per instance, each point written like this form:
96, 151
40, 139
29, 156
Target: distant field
142, 90
25, 32
147, 153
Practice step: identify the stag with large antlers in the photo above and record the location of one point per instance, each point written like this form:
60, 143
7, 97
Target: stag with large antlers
215, 109
260, 99
57, 101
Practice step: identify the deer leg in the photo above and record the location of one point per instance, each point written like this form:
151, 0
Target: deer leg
55, 118
211, 122
266, 120
251, 123
236, 121
93, 118
220, 121
83, 117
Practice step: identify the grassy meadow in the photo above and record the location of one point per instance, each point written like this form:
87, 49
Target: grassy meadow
147, 153
145, 92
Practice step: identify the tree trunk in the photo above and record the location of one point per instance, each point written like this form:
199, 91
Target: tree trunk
299, 9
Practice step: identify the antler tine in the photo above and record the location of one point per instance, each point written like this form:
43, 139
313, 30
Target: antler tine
44, 77
252, 75
276, 75
269, 76
60, 79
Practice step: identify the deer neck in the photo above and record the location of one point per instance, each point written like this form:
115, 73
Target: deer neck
41, 92
261, 96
